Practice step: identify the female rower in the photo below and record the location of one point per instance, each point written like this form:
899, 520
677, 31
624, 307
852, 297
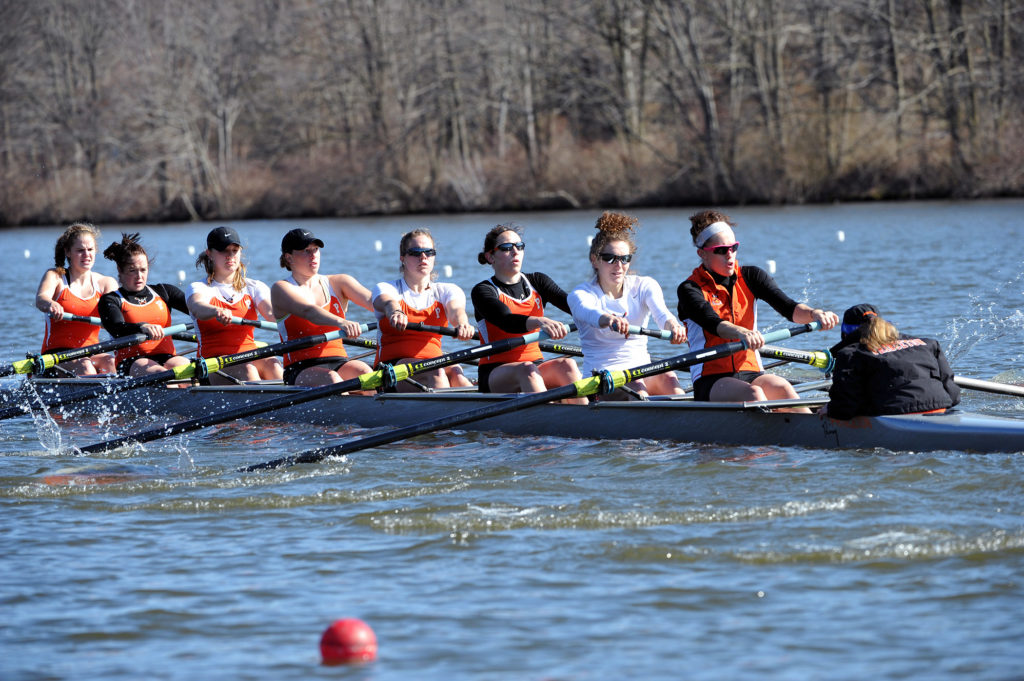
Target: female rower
138, 308
881, 371
718, 302
227, 293
309, 303
605, 307
511, 304
416, 297
71, 286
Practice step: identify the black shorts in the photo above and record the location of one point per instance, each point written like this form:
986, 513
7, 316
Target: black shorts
125, 366
702, 386
292, 371
483, 375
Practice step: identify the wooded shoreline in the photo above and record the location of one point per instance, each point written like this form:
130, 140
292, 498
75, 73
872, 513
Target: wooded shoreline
118, 111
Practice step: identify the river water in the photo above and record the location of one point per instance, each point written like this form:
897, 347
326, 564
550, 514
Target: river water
479, 556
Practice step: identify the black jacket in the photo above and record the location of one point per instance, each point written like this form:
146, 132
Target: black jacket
911, 375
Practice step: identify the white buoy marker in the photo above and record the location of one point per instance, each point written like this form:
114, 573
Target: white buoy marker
28, 254
841, 235
447, 271
378, 246
771, 267
191, 250
181, 276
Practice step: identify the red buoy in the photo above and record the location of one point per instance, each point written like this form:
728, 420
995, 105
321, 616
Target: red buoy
348, 640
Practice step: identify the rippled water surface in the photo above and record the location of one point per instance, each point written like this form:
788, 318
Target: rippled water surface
487, 557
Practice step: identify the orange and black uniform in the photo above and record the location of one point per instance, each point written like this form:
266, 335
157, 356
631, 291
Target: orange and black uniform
67, 335
124, 312
501, 312
706, 299
908, 376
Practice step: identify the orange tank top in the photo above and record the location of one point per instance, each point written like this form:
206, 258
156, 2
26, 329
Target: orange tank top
216, 339
531, 306
293, 326
66, 335
392, 344
153, 312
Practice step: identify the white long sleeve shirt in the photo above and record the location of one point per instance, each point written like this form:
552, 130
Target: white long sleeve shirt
603, 348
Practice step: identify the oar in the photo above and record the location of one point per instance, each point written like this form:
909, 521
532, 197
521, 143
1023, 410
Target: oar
39, 363
604, 382
199, 368
367, 381
68, 317
819, 359
989, 386
554, 347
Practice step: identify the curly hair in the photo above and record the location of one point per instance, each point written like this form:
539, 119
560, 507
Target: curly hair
66, 240
699, 221
614, 227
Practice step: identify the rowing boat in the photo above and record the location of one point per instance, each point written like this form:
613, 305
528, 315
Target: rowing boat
673, 419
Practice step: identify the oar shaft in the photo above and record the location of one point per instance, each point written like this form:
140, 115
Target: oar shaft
368, 381
820, 359
41, 363
989, 386
580, 388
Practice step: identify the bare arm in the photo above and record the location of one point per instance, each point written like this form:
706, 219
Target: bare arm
47, 292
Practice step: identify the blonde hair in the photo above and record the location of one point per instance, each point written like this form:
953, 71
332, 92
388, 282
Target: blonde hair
876, 333
67, 239
237, 282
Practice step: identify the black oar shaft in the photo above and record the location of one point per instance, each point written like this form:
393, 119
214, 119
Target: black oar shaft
368, 381
580, 388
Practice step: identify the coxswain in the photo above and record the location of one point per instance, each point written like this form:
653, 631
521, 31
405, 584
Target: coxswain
881, 371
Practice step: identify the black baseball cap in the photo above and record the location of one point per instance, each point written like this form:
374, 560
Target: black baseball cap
221, 237
297, 240
855, 316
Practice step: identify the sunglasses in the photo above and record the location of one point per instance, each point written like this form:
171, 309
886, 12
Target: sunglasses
612, 258
722, 250
508, 247
417, 252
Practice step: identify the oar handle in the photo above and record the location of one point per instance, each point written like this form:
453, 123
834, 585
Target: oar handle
653, 333
439, 330
68, 317
258, 323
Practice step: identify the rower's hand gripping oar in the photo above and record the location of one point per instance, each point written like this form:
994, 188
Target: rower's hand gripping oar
200, 368
554, 347
367, 381
37, 364
604, 382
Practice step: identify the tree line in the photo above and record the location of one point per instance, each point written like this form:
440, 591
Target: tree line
126, 110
